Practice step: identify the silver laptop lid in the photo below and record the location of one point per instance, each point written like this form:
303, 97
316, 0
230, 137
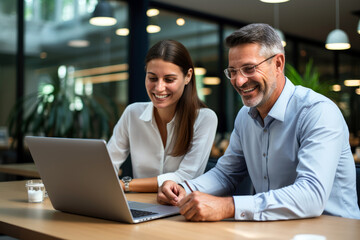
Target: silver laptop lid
80, 178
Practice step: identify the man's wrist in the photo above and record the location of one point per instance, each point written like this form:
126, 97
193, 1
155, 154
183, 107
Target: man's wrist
230, 208
186, 188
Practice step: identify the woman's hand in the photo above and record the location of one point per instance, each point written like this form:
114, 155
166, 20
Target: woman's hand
170, 193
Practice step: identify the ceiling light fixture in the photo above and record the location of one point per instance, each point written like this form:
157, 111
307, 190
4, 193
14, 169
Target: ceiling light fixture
274, 1
281, 35
211, 80
103, 15
358, 30
101, 70
78, 43
180, 21
153, 28
337, 39
200, 71
205, 91
114, 77
122, 31
276, 20
152, 12
352, 82
336, 87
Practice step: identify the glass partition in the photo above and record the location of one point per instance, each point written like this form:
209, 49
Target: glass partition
63, 50
8, 48
233, 99
323, 60
349, 79
87, 61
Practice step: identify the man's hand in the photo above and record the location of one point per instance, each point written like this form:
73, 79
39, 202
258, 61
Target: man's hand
199, 206
170, 193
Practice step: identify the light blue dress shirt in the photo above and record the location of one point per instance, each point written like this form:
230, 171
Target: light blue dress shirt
298, 158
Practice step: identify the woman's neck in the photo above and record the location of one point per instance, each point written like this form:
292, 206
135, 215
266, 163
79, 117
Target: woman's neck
164, 116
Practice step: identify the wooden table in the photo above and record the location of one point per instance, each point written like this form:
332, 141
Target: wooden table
24, 220
20, 169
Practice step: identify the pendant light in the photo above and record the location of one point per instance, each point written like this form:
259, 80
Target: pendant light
123, 30
200, 70
337, 39
103, 15
153, 26
274, 1
276, 20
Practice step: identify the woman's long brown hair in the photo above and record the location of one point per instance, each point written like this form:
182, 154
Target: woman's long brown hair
189, 103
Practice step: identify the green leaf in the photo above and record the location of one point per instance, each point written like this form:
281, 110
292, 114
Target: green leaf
49, 114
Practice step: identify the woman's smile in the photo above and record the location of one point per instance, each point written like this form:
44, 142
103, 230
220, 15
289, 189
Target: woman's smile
161, 96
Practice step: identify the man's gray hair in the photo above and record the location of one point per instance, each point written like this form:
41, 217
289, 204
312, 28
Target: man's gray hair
259, 33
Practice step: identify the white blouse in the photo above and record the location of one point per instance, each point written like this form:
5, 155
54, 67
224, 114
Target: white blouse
137, 133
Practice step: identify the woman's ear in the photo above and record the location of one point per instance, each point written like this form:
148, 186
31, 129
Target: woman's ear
188, 76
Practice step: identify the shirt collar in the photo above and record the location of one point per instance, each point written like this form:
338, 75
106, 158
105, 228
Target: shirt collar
279, 108
147, 115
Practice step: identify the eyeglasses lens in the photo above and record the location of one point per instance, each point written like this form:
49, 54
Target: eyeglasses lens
248, 71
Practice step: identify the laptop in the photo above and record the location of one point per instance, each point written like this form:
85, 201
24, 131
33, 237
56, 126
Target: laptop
80, 178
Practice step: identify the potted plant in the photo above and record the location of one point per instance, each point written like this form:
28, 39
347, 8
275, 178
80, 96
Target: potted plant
57, 110
310, 79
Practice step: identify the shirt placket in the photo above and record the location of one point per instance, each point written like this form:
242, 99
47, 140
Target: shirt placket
264, 158
162, 150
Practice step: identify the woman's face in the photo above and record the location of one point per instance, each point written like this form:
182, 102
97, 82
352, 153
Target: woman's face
165, 84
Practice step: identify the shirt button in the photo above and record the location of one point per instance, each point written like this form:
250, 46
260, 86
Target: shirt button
242, 214
265, 177
264, 154
265, 130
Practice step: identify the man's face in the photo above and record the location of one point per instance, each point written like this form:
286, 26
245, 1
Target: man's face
260, 90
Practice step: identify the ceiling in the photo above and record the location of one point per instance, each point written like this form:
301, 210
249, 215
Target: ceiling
310, 19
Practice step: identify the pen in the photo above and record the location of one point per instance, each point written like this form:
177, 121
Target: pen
188, 186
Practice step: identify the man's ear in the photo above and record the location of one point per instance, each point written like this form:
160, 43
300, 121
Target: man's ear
280, 63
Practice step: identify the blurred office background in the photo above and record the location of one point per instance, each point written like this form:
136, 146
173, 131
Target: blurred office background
90, 73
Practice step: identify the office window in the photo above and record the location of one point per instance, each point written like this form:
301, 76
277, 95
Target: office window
62, 47
323, 60
52, 25
349, 69
233, 101
289, 53
8, 39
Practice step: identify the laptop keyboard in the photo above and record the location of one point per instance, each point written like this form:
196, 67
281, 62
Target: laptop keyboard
140, 213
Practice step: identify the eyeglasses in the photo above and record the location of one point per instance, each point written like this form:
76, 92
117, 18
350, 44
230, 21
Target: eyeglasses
246, 71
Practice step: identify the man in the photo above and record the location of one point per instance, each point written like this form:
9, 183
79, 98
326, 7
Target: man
293, 142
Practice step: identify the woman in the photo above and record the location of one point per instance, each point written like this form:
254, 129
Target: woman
169, 138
